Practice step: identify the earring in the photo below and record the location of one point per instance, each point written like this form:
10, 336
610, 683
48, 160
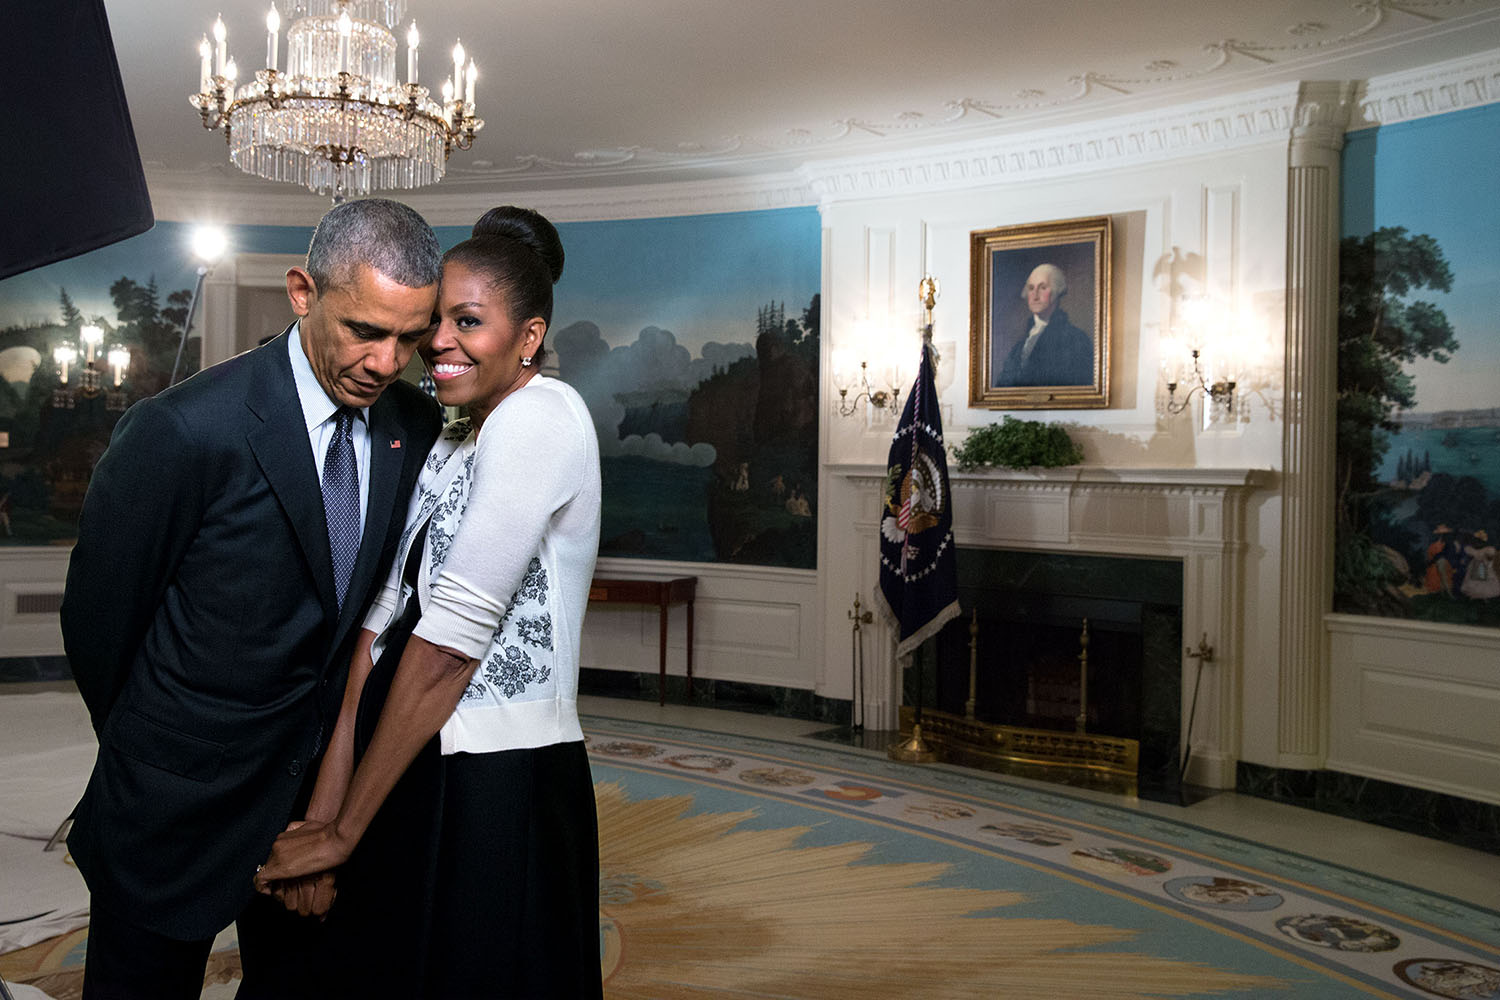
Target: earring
526, 361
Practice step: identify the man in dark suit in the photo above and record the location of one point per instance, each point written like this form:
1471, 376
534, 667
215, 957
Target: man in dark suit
231, 535
1053, 351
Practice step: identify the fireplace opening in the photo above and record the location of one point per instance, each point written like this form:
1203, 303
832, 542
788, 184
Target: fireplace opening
1025, 614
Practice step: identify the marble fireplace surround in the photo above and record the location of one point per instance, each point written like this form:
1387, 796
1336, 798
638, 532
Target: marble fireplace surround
1195, 515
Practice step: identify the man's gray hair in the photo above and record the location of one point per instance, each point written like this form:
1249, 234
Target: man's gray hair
1055, 273
376, 232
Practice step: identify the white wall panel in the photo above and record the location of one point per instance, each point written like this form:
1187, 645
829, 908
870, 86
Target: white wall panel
1416, 704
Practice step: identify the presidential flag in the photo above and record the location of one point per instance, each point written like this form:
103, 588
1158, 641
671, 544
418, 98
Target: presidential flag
918, 590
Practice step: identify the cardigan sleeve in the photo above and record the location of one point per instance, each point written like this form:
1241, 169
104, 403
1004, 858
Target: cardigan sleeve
528, 465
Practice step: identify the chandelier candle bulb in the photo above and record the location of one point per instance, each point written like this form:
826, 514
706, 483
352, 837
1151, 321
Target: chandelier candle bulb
231, 70
346, 28
458, 71
221, 45
273, 26
471, 77
206, 72
411, 52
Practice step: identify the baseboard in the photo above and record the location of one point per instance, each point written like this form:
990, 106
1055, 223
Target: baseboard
1443, 817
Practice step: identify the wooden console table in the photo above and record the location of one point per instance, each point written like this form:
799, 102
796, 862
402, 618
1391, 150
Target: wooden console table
663, 594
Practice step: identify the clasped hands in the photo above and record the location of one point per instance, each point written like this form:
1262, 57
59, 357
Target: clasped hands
299, 871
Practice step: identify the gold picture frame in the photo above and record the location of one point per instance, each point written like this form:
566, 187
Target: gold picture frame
1015, 276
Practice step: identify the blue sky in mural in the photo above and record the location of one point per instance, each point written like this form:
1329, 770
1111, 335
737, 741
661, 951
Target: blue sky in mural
1431, 180
162, 251
679, 274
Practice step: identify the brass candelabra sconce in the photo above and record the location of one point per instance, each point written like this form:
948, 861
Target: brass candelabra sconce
868, 394
1220, 392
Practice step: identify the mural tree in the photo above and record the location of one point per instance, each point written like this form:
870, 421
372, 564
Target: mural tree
1380, 331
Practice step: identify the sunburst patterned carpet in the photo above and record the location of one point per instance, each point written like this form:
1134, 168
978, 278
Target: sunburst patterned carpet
734, 867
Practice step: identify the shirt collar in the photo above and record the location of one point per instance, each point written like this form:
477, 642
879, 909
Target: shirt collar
316, 406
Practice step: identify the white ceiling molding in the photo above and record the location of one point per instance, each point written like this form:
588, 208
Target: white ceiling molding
1432, 90
286, 206
1253, 119
639, 201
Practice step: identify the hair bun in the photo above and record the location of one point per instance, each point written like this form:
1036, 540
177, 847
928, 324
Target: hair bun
527, 227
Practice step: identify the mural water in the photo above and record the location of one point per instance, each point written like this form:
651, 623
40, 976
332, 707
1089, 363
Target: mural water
1418, 463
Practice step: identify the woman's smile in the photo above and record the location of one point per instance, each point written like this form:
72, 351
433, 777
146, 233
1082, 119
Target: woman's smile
444, 370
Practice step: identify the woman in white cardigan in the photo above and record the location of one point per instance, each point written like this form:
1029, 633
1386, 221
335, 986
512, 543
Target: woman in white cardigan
465, 838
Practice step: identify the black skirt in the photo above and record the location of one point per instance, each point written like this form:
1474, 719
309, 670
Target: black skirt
479, 877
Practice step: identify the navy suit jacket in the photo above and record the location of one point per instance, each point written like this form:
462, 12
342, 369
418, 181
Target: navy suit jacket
1063, 355
201, 625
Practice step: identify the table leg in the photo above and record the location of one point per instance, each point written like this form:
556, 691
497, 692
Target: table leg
690, 648
661, 682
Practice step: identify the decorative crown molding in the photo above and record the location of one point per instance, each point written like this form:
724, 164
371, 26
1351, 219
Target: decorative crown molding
283, 205
1432, 90
1248, 120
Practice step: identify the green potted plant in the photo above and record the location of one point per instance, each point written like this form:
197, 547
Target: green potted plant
1017, 444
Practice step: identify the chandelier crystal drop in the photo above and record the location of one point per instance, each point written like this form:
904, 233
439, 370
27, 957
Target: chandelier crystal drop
337, 120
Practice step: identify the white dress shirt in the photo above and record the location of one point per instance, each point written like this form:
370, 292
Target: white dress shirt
319, 412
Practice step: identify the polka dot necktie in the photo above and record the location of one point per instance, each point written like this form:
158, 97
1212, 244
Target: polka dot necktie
341, 500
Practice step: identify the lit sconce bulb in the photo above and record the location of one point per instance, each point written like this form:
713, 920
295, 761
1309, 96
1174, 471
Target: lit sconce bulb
843, 368
273, 20
119, 360
91, 336
412, 38
64, 354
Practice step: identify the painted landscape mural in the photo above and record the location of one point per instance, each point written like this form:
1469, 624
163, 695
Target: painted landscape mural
136, 294
1418, 465
694, 341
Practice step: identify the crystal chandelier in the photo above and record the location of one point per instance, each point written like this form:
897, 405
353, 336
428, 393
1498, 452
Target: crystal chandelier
336, 119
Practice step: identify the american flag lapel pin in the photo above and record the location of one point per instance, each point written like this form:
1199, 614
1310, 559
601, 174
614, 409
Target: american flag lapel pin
396, 443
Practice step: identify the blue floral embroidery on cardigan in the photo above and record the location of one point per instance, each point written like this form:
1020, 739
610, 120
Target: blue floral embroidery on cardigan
511, 670
535, 631
533, 584
449, 512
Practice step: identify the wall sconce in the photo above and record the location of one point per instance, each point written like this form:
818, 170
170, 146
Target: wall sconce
1220, 391
1188, 365
91, 360
884, 392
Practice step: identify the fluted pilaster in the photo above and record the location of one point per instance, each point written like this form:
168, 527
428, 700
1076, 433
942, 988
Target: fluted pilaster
1308, 442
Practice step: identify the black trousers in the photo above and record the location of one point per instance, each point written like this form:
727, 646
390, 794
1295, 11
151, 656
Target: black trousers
282, 957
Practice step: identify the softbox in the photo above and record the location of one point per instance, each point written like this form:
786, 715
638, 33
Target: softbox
70, 175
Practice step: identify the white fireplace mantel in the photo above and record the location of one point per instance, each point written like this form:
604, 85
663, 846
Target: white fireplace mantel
1193, 514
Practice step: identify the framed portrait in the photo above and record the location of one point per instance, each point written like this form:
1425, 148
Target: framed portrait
1039, 316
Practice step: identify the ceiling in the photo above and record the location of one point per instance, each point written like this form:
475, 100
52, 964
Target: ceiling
591, 93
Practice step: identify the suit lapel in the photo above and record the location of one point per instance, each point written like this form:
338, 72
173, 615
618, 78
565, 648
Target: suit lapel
284, 454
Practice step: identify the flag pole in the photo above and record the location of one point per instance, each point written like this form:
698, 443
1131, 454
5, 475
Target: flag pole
916, 750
